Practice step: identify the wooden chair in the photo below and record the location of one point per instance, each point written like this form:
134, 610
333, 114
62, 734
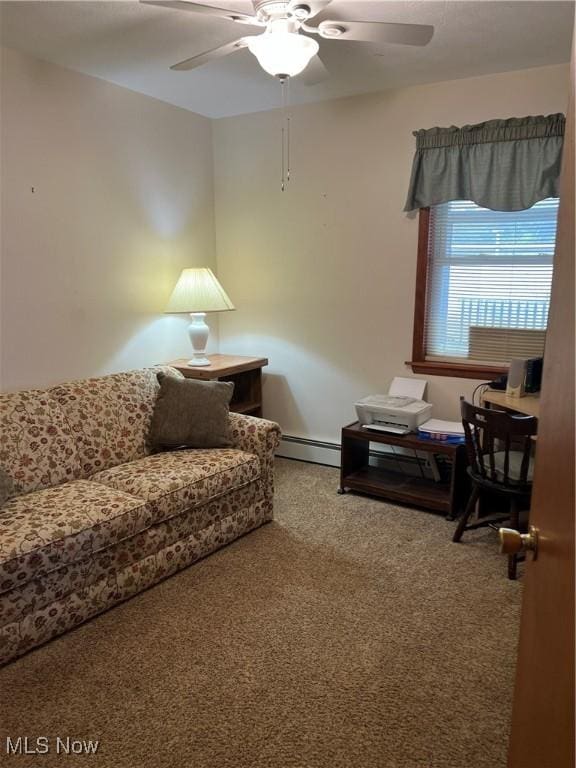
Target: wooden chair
499, 446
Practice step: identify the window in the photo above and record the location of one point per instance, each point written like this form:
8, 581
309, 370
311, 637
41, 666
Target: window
483, 287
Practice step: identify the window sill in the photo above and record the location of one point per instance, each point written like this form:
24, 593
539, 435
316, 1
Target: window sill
458, 370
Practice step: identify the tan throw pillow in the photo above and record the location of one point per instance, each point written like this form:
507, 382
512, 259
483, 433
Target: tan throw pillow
191, 414
6, 487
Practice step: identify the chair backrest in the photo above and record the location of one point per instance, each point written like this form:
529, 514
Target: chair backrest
499, 445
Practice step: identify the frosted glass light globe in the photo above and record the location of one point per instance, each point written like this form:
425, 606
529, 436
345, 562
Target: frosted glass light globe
283, 54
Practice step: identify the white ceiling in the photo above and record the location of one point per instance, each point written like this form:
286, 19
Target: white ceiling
133, 45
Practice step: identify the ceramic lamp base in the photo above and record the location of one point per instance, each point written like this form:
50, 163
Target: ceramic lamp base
198, 331
198, 361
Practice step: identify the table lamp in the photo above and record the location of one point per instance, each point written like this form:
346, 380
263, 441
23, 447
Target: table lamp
197, 292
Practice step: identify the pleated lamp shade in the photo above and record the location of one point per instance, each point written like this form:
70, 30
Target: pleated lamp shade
198, 290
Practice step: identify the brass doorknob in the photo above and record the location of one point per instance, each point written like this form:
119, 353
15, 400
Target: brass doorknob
512, 542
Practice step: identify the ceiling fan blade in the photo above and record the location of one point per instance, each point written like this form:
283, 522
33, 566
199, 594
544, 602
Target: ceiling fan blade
315, 72
376, 32
209, 10
207, 56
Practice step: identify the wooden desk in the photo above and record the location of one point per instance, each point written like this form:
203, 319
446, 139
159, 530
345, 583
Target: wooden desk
528, 405
245, 372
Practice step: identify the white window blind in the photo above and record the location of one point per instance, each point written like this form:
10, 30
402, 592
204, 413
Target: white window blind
489, 279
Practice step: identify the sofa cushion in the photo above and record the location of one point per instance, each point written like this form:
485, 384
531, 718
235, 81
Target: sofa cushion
212, 520
514, 466
179, 480
110, 416
37, 448
44, 530
6, 487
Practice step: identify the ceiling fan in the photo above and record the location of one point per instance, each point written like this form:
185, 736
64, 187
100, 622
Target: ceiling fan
285, 48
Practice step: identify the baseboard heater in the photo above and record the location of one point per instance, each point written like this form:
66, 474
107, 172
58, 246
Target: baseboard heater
304, 449
321, 452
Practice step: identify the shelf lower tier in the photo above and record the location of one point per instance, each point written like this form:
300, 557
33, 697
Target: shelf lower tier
395, 486
248, 409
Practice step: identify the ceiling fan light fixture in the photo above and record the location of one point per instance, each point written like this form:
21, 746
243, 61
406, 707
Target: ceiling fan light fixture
283, 54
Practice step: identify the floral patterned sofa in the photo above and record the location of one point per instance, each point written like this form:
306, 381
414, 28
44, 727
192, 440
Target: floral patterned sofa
98, 516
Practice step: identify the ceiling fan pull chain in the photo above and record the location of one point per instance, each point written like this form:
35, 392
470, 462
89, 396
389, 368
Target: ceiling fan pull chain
288, 132
283, 184
283, 132
287, 150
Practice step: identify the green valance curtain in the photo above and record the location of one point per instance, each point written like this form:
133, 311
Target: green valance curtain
505, 165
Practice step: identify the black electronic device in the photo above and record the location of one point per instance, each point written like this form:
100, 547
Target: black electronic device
533, 380
500, 383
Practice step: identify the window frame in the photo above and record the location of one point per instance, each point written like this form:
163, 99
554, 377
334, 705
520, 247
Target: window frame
418, 363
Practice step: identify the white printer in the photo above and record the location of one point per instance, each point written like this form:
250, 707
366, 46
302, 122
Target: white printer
401, 411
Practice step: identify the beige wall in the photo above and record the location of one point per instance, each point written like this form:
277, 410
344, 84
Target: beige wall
323, 275
123, 200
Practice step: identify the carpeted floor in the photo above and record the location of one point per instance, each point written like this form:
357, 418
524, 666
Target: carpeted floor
349, 633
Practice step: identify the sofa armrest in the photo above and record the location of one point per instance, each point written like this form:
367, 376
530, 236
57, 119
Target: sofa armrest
258, 436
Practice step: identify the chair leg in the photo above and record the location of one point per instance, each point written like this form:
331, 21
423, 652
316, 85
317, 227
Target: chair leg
515, 524
466, 514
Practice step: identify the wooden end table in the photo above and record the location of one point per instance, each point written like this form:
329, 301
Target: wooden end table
357, 474
245, 372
